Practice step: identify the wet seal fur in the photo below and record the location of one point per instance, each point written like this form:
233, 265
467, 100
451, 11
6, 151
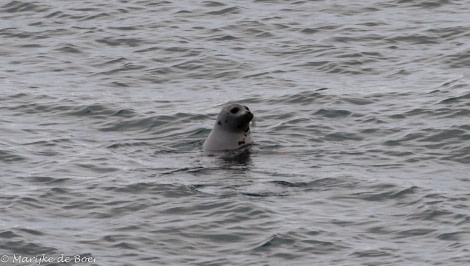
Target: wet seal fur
231, 130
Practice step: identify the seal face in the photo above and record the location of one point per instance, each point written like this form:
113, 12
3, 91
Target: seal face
232, 129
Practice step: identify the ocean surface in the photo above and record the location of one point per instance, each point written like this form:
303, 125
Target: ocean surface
362, 132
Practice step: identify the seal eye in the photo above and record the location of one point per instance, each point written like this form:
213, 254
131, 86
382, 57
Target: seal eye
234, 110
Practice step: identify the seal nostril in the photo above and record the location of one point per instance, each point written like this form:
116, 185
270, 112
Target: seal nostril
234, 110
248, 109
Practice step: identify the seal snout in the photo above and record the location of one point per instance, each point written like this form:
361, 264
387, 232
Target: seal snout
247, 116
244, 121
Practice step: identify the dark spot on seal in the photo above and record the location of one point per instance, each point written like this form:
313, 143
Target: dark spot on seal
219, 122
234, 110
241, 142
226, 121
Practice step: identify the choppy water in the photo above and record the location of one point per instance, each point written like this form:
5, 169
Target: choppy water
362, 132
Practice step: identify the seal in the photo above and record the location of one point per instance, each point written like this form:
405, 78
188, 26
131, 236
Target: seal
232, 129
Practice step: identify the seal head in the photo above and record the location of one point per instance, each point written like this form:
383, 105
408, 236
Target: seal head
231, 130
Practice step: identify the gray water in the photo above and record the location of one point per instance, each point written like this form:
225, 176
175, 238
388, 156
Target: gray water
362, 130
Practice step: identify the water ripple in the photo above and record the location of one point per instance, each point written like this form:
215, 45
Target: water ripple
361, 137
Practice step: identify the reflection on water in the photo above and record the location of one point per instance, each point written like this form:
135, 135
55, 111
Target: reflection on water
240, 157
